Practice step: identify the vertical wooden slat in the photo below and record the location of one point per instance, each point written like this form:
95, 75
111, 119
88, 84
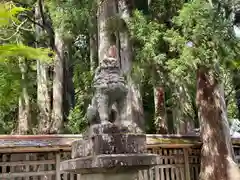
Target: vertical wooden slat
65, 176
182, 167
161, 163
145, 174
172, 170
166, 157
49, 166
12, 168
157, 172
186, 164
177, 162
42, 166
58, 160
78, 176
35, 167
140, 175
27, 166
151, 174
4, 169
72, 176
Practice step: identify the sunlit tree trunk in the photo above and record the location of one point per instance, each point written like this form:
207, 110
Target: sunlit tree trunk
43, 96
106, 9
134, 98
160, 110
184, 118
58, 89
93, 40
24, 113
236, 83
69, 93
216, 160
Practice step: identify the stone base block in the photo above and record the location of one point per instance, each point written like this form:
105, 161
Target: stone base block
109, 144
108, 128
115, 176
110, 163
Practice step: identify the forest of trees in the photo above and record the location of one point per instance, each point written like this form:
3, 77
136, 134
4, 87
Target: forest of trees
180, 57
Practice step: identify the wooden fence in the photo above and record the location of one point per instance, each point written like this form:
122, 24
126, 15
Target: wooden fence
39, 157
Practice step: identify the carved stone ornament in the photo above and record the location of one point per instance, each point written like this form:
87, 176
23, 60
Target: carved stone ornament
110, 92
111, 144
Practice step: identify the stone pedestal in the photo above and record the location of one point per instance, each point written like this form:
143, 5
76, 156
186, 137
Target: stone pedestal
103, 176
107, 153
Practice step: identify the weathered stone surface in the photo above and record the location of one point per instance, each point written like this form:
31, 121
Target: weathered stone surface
109, 176
109, 144
110, 163
108, 128
109, 88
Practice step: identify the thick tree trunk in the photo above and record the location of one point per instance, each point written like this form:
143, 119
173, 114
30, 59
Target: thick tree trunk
236, 83
69, 94
216, 161
24, 113
134, 98
43, 96
160, 110
106, 9
58, 89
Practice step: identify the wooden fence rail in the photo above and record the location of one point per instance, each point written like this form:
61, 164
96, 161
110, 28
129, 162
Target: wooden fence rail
38, 158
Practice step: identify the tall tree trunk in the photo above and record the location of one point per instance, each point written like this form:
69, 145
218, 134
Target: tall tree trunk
184, 121
106, 10
43, 96
236, 83
93, 51
24, 113
134, 98
58, 89
216, 161
69, 93
93, 40
160, 110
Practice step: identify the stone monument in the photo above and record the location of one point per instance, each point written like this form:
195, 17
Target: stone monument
111, 148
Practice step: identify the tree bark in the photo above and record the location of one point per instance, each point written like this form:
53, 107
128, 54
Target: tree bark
58, 89
69, 93
24, 113
93, 40
216, 160
106, 9
160, 110
134, 98
43, 96
236, 83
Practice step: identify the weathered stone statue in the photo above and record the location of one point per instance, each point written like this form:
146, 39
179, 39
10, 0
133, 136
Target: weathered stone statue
110, 149
109, 100
110, 87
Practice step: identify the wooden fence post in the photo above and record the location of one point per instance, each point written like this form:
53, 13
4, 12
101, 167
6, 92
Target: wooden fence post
186, 164
58, 160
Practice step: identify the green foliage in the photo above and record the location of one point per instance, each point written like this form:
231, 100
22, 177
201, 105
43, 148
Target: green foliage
148, 38
9, 93
198, 40
82, 81
70, 17
11, 49
171, 39
20, 50
201, 36
8, 14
